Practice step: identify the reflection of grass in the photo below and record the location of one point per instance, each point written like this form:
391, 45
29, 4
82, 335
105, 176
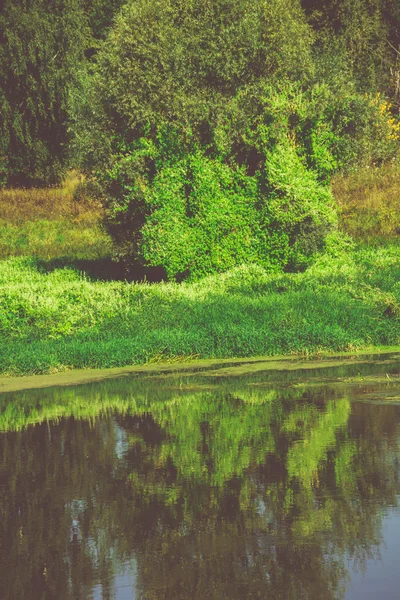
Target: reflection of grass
135, 397
61, 319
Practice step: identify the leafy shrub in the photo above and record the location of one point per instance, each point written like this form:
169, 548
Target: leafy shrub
199, 214
213, 137
177, 139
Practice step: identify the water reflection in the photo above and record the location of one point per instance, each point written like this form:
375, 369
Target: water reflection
123, 490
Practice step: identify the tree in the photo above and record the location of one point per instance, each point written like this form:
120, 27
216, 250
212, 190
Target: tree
182, 133
362, 35
42, 45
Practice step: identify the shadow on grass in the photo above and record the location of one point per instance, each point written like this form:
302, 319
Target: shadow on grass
104, 269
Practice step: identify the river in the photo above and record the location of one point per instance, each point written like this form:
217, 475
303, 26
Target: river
226, 482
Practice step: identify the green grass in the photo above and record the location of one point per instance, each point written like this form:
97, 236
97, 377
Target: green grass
59, 320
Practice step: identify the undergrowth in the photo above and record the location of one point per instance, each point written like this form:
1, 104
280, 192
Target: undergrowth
50, 321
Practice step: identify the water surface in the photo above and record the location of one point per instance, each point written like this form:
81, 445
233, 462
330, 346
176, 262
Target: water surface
220, 484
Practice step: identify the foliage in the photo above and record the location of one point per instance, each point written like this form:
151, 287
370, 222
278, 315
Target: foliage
100, 15
60, 319
179, 86
183, 60
212, 153
42, 49
351, 130
360, 37
206, 216
210, 130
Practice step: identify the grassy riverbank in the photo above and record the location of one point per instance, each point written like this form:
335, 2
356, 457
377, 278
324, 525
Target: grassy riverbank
58, 319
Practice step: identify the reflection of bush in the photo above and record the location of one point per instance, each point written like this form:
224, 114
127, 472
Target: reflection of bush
255, 485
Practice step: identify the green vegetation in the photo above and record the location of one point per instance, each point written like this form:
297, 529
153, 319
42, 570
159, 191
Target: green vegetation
357, 40
215, 130
245, 155
61, 319
230, 146
42, 53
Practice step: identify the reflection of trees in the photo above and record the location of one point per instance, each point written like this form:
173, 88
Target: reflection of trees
241, 494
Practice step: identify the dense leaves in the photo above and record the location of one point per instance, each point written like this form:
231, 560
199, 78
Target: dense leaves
210, 130
42, 47
213, 131
193, 161
362, 37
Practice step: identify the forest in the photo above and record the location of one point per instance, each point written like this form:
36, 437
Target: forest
186, 179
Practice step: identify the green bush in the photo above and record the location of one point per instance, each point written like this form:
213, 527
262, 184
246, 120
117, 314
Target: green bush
213, 133
178, 141
199, 214
258, 194
214, 139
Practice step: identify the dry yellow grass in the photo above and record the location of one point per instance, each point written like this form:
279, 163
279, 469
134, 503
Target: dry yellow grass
369, 202
52, 204
51, 223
